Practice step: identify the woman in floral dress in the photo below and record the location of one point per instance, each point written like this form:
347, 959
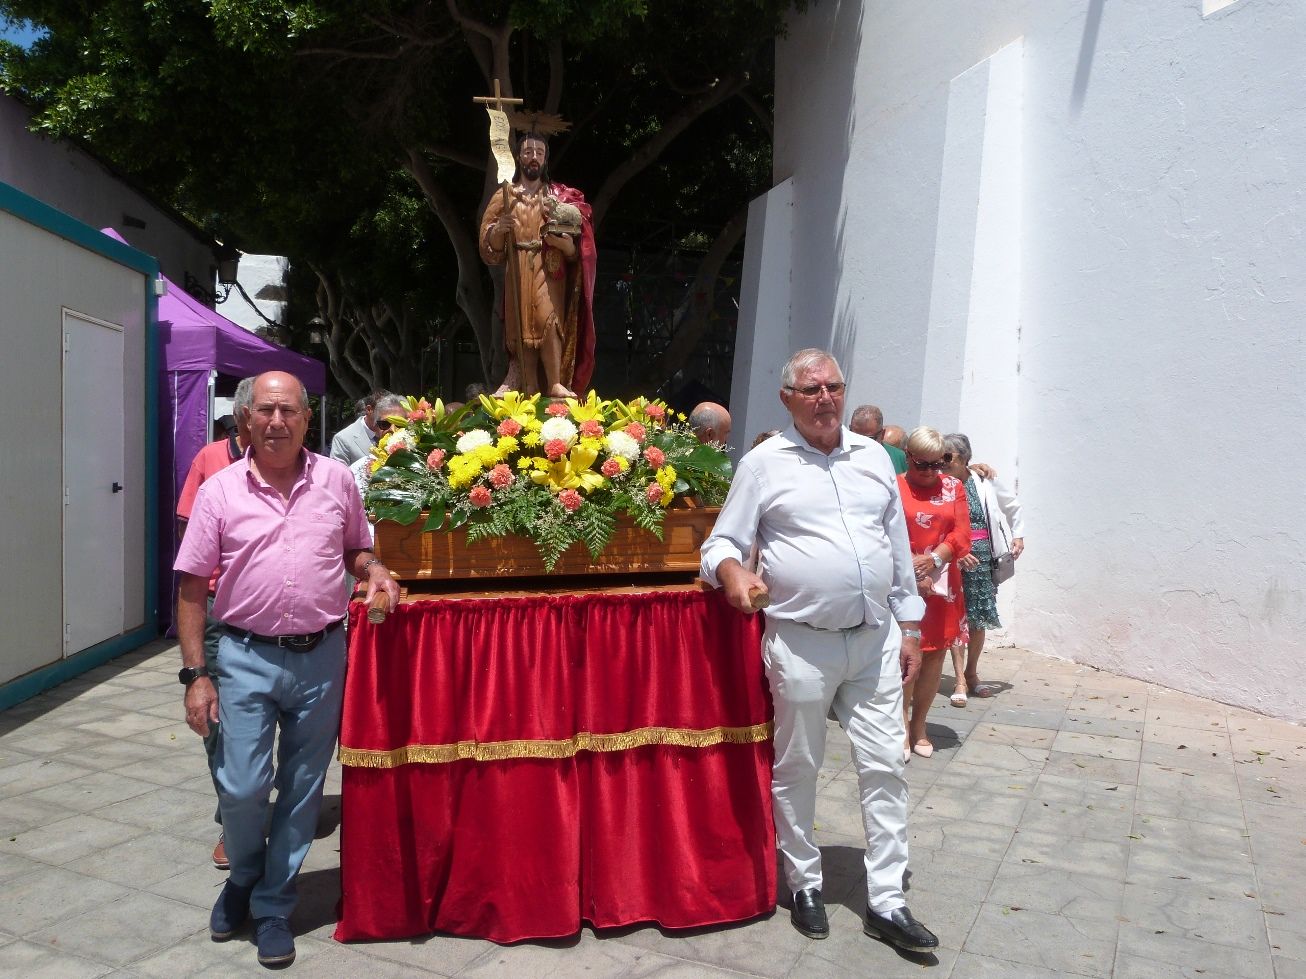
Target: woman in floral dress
996, 528
938, 525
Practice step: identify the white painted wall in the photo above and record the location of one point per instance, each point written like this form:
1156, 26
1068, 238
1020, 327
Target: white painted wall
41, 274
256, 273
61, 175
1076, 231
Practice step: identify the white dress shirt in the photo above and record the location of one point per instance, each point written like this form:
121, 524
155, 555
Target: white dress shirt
830, 532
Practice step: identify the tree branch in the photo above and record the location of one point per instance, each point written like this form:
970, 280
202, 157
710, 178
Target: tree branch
455, 155
763, 115
553, 98
653, 147
470, 292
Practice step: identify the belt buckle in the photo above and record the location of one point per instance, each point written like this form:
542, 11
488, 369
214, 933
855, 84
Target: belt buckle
301, 644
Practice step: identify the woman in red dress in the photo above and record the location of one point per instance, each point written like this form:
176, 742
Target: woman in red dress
938, 525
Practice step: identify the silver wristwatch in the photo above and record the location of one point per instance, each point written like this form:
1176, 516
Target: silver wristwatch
911, 633
938, 561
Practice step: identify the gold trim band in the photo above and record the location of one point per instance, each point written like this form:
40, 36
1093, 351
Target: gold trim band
440, 754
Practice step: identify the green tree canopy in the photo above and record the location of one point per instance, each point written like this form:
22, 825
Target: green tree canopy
344, 136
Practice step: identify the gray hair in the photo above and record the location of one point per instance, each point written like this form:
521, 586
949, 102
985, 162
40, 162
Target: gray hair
959, 446
244, 396
863, 414
806, 359
389, 404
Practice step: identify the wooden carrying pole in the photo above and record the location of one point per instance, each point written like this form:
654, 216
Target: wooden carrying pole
379, 608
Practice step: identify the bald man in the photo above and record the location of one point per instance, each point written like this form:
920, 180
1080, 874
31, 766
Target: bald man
284, 525
710, 422
868, 420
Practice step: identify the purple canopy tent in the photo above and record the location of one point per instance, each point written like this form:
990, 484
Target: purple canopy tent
195, 341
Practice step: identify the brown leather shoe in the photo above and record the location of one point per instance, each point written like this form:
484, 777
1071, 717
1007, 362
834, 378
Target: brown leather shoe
220, 853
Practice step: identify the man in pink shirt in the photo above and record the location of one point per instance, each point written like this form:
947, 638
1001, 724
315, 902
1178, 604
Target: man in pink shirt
211, 459
281, 527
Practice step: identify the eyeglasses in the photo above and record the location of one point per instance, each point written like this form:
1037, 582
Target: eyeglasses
834, 389
384, 425
270, 411
937, 465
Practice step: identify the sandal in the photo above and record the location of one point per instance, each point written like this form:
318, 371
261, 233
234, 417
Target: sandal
958, 698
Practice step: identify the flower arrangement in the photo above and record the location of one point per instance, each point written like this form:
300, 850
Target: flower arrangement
556, 472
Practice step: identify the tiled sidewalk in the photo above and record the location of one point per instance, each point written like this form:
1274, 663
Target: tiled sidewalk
1076, 823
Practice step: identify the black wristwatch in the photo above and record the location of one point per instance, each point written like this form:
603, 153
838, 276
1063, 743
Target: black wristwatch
189, 674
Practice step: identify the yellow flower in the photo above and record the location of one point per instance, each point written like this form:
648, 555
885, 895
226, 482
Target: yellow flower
512, 405
524, 462
591, 443
666, 478
506, 446
531, 439
573, 471
591, 409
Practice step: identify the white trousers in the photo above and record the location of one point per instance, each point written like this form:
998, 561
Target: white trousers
857, 672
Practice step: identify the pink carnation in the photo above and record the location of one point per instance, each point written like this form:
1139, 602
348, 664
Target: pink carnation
555, 449
510, 427
654, 493
417, 416
479, 496
655, 456
557, 409
656, 412
435, 460
592, 428
501, 476
394, 445
570, 500
636, 431
611, 468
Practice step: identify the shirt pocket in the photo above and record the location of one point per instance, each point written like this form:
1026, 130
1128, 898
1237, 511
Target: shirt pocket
322, 529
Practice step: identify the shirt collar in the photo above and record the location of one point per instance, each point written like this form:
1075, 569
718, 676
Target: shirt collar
305, 472
848, 441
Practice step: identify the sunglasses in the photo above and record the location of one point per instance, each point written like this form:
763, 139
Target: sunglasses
812, 390
384, 425
938, 465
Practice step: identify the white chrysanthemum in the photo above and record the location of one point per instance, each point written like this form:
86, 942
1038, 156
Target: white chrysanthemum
400, 439
474, 439
620, 444
559, 428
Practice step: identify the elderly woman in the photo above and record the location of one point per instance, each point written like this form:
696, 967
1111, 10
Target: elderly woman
996, 530
938, 525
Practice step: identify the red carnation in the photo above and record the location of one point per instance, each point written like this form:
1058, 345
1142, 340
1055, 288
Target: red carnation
510, 427
636, 431
479, 496
655, 456
501, 476
592, 428
656, 412
555, 449
557, 409
611, 468
435, 460
654, 493
570, 500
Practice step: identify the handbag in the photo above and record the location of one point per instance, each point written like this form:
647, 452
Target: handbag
1004, 565
1003, 568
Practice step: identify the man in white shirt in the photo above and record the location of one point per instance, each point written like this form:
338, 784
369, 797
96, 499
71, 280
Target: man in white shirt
821, 505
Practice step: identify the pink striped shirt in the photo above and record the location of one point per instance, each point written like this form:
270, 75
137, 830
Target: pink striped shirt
280, 562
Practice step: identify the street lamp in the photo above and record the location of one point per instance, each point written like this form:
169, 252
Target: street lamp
228, 265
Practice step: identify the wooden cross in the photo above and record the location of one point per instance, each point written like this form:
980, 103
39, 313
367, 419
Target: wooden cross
497, 99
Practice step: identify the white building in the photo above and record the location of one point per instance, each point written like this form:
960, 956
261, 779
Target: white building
1073, 231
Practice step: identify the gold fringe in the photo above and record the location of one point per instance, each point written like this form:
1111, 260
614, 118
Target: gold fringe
439, 754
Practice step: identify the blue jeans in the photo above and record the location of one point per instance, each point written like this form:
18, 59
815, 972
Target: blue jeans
263, 686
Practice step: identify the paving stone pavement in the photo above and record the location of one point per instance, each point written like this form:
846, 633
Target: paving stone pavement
1075, 823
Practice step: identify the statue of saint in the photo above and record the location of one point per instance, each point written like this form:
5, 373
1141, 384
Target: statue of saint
541, 232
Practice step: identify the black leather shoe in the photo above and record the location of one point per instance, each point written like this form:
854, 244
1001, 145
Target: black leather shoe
808, 915
899, 928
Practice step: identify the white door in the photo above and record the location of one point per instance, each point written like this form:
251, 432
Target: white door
94, 490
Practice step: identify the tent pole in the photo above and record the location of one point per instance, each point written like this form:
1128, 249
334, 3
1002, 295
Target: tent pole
324, 423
